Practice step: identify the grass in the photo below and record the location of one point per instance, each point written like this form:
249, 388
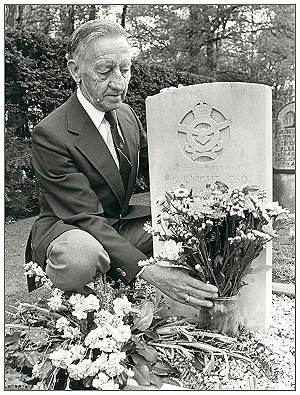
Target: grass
16, 234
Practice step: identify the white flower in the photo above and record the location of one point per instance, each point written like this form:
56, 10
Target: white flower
55, 302
76, 299
79, 313
31, 269
165, 216
75, 372
91, 303
121, 334
94, 336
106, 345
99, 364
61, 323
103, 317
122, 306
37, 369
114, 369
130, 373
60, 358
170, 250
79, 371
82, 305
146, 262
251, 236
147, 227
77, 352
100, 380
110, 386
70, 332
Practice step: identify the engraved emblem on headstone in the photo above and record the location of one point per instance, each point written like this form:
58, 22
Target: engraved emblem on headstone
203, 133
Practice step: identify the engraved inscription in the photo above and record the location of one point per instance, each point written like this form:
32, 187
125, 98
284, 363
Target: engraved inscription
198, 181
284, 138
203, 133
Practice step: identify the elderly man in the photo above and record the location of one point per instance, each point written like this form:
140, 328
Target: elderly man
86, 156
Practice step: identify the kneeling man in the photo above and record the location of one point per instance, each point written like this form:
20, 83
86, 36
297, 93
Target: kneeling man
86, 156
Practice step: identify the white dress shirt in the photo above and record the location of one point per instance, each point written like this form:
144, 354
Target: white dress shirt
101, 124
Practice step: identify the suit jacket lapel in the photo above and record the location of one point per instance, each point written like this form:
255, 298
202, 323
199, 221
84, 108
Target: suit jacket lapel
92, 145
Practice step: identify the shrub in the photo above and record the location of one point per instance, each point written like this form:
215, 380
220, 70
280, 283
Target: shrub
21, 187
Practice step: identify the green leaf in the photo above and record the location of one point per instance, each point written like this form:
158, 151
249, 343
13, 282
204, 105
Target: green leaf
145, 317
163, 369
32, 358
169, 380
210, 365
11, 338
139, 359
142, 374
38, 336
148, 352
197, 363
155, 380
152, 335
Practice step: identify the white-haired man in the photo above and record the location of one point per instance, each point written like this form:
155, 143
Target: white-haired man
86, 156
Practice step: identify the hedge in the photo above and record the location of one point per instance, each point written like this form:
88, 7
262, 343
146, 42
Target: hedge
36, 82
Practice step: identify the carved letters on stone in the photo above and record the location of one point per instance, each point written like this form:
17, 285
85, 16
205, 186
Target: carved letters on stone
284, 139
203, 133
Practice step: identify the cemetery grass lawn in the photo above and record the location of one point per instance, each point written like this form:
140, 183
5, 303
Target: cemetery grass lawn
16, 234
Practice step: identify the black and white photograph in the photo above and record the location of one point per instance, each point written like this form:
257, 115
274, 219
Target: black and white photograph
149, 196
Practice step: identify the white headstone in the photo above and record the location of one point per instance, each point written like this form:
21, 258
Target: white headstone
234, 145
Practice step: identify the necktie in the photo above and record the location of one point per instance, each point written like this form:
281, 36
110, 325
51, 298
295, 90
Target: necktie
121, 148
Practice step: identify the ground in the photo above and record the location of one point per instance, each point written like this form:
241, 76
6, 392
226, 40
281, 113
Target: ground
16, 234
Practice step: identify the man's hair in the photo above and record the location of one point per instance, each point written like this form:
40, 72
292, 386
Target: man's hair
91, 30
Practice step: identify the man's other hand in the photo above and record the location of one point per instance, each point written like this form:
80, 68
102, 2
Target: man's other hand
179, 285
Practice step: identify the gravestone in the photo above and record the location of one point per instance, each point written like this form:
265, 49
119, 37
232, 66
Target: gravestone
284, 157
233, 122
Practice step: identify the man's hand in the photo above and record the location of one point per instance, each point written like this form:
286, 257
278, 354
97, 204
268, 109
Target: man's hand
180, 286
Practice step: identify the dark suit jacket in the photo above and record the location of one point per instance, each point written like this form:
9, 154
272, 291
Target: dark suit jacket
81, 185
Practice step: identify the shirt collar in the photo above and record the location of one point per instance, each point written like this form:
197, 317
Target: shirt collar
95, 114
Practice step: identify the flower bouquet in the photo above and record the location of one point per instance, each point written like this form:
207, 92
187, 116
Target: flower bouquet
216, 235
74, 341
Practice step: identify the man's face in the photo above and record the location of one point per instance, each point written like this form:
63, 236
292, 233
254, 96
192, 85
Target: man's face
105, 72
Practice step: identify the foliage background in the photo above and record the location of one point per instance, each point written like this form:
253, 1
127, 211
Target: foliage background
174, 44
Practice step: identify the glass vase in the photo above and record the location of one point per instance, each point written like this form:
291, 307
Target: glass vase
223, 317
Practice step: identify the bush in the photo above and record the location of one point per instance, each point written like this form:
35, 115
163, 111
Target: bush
21, 188
36, 82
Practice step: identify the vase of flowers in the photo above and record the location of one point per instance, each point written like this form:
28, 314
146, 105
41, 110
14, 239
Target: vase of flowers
216, 235
223, 317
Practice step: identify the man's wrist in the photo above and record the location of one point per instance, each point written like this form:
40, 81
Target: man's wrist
149, 273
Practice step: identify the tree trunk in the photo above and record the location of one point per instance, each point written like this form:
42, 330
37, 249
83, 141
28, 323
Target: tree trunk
19, 18
123, 18
10, 12
67, 20
14, 14
210, 53
92, 12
